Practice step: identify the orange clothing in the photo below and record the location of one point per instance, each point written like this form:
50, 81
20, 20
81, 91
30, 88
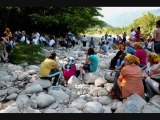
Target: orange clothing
121, 47
130, 81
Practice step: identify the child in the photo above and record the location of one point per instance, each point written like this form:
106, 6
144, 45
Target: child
69, 69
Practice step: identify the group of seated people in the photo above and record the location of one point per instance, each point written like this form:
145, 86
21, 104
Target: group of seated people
136, 71
49, 67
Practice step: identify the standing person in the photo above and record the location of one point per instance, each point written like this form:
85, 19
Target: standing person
91, 42
124, 37
106, 36
49, 67
132, 34
84, 40
73, 39
156, 38
140, 53
138, 34
91, 62
3, 52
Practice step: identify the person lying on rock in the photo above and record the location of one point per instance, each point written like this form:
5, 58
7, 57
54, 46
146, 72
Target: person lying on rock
70, 70
91, 62
153, 78
49, 69
130, 78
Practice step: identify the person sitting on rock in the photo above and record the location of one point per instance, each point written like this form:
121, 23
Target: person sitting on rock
129, 48
91, 63
104, 48
130, 78
140, 53
49, 68
70, 69
153, 85
3, 52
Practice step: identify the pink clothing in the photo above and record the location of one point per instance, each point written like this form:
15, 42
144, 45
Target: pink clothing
67, 73
141, 54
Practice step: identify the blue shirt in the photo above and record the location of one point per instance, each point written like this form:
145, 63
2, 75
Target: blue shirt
93, 62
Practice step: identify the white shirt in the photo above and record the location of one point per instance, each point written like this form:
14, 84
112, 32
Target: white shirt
42, 38
84, 38
52, 42
37, 35
22, 39
132, 34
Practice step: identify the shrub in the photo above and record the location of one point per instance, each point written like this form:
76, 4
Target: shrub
26, 53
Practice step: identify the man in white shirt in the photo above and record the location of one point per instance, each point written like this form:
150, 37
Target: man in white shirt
84, 40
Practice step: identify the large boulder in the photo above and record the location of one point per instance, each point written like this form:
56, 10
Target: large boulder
133, 104
4, 76
44, 100
104, 100
93, 107
33, 67
43, 83
150, 108
59, 95
110, 79
23, 76
33, 89
155, 100
78, 104
99, 82
3, 92
90, 77
71, 110
22, 101
73, 81
12, 68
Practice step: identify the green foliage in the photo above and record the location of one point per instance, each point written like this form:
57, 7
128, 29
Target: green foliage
26, 53
147, 22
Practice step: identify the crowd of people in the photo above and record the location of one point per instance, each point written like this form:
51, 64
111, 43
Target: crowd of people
137, 62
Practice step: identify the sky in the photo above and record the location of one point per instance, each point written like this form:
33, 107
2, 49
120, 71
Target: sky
112, 11
111, 14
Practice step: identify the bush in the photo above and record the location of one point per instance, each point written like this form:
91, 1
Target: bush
26, 53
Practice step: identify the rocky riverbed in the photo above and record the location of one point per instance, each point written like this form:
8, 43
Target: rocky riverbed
22, 91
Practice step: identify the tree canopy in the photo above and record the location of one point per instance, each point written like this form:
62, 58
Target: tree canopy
50, 19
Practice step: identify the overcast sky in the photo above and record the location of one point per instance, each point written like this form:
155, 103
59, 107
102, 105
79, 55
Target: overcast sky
112, 11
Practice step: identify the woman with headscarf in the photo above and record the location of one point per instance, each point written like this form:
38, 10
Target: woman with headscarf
140, 53
152, 84
69, 69
130, 79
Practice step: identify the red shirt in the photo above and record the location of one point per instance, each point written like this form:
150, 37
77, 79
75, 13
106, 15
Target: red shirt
67, 73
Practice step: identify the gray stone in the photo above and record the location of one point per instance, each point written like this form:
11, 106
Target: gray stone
30, 110
59, 95
71, 110
78, 104
49, 110
44, 100
3, 92
155, 100
99, 82
104, 100
90, 77
34, 89
43, 83
33, 67
93, 107
73, 81
33, 103
23, 76
22, 101
150, 108
30, 72
13, 68
107, 109
12, 96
